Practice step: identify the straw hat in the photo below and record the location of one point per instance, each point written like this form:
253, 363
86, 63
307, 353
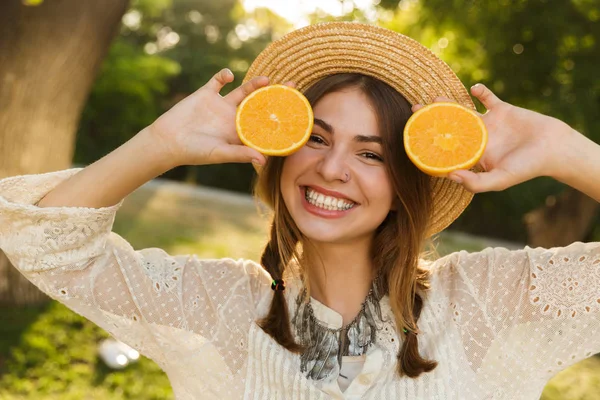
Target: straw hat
307, 55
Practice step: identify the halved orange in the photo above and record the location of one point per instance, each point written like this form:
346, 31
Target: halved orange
276, 120
444, 137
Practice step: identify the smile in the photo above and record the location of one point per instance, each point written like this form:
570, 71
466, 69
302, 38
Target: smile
325, 202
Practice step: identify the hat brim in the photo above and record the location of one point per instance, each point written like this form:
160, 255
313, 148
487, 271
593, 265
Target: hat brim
306, 55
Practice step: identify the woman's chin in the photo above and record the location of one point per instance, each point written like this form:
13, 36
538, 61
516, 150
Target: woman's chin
327, 234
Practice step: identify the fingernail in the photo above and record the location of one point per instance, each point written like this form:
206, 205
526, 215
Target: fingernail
256, 162
475, 86
228, 71
455, 178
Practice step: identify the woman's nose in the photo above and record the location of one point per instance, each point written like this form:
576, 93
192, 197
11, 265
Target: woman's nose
333, 166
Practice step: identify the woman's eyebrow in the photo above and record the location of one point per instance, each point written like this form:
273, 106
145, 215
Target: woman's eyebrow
324, 125
357, 138
368, 139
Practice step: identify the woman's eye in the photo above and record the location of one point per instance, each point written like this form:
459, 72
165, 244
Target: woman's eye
372, 156
316, 139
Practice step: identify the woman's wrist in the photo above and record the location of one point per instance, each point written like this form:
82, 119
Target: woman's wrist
560, 138
576, 161
163, 154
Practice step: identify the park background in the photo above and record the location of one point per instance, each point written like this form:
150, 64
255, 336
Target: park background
78, 78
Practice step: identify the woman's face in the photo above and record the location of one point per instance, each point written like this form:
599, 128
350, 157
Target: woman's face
345, 143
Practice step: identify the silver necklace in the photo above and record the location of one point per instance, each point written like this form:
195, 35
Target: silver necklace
325, 347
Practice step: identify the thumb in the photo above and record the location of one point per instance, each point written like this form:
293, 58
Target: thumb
239, 154
486, 96
477, 182
220, 79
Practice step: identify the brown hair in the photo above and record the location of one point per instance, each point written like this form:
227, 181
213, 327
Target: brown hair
398, 241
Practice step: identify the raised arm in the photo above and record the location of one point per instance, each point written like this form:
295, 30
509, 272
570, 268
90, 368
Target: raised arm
198, 130
64, 244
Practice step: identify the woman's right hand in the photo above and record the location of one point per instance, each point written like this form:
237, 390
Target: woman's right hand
200, 129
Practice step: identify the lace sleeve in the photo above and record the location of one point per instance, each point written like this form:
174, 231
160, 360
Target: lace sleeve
140, 297
537, 310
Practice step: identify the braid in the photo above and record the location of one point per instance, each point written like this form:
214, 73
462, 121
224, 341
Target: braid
410, 362
277, 321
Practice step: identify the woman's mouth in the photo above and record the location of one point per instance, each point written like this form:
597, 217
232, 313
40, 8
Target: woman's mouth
325, 202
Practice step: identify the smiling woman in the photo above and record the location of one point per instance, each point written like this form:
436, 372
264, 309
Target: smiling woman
334, 193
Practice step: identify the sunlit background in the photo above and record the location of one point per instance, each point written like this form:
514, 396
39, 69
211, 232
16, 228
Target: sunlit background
297, 12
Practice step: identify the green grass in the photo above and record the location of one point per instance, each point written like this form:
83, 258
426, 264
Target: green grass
49, 352
182, 223
578, 382
55, 358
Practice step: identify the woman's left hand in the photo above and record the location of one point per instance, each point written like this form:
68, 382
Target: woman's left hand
522, 145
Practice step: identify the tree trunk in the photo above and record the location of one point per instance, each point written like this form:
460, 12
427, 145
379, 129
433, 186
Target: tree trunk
564, 219
49, 56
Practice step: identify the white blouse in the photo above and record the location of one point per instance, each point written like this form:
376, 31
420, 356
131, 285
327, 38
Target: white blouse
500, 323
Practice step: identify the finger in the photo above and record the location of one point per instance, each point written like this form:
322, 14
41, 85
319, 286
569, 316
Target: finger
477, 182
236, 96
290, 84
220, 79
416, 107
486, 96
239, 154
443, 99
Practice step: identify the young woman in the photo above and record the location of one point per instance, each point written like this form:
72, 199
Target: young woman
341, 305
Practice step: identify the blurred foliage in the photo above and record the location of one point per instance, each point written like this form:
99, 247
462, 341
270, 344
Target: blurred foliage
166, 50
537, 54
125, 98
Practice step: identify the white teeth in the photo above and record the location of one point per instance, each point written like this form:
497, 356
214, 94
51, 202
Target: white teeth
327, 202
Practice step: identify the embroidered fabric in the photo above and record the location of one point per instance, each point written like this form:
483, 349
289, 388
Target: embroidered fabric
500, 323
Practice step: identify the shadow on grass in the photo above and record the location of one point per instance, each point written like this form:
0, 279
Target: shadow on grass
101, 372
15, 321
